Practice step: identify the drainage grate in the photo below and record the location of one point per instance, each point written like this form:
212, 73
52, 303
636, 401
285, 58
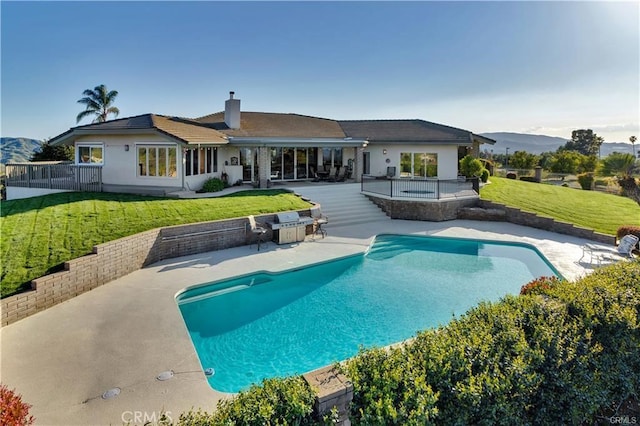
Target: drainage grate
165, 375
111, 393
209, 372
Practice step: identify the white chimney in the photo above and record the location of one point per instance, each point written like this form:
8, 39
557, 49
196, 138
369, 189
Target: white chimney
232, 112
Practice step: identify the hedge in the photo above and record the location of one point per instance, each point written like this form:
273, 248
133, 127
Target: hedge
560, 353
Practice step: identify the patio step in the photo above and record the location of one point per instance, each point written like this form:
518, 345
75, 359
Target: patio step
343, 204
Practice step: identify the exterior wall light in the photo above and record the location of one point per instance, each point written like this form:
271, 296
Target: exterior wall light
126, 147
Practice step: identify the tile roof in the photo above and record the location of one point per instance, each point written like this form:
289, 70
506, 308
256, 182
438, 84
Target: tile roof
267, 124
404, 131
212, 129
185, 130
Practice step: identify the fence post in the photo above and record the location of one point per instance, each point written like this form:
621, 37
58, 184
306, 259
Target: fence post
49, 174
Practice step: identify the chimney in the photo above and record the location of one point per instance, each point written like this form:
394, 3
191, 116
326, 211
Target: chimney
232, 112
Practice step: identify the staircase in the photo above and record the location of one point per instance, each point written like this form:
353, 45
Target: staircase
342, 203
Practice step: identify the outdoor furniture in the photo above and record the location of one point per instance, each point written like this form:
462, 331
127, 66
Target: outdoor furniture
598, 254
318, 220
257, 230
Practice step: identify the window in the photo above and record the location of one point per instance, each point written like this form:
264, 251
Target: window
90, 154
418, 164
157, 161
199, 161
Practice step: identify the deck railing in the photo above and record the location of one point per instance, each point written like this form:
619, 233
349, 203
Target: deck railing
421, 188
54, 175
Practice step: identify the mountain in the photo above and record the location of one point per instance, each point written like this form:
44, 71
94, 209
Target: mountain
537, 144
14, 150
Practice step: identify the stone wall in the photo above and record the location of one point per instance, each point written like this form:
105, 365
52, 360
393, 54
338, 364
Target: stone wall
532, 220
118, 258
433, 210
333, 391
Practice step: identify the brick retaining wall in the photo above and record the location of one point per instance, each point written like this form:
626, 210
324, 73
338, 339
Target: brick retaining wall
431, 210
118, 258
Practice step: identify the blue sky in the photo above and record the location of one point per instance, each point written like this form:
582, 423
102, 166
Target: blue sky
531, 67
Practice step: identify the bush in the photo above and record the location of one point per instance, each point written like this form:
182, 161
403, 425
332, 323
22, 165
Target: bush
559, 354
484, 176
13, 412
628, 229
586, 181
470, 166
539, 285
286, 401
213, 185
511, 175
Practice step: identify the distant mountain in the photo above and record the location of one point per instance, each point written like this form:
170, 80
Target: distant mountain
13, 150
537, 144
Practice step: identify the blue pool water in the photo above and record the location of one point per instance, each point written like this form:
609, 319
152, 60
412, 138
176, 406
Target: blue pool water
278, 324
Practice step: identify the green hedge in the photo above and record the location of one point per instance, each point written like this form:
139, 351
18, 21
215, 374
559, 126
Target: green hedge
561, 353
556, 357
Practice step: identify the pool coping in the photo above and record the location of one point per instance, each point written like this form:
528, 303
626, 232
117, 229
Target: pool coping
128, 332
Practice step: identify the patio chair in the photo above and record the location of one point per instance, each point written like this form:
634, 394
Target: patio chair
318, 220
257, 230
598, 253
340, 177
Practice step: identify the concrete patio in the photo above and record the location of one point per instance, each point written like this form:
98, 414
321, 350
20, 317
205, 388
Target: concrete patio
126, 333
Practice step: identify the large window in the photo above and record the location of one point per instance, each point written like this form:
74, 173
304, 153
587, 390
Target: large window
418, 164
157, 161
199, 161
90, 154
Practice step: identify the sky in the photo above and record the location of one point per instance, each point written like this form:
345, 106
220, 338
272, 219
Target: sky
529, 67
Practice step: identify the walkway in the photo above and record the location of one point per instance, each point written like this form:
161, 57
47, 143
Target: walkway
126, 333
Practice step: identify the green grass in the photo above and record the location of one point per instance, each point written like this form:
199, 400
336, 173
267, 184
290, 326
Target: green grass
589, 209
39, 234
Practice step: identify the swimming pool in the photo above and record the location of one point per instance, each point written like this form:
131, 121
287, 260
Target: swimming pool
277, 324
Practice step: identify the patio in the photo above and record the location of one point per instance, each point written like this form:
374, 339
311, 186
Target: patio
126, 333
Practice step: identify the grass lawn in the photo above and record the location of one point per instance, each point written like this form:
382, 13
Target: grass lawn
589, 209
42, 232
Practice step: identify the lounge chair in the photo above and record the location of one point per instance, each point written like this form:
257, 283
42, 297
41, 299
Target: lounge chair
597, 254
257, 230
318, 220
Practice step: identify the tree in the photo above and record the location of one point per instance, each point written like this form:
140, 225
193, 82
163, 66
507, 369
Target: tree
471, 167
583, 141
49, 152
99, 103
523, 160
618, 164
565, 162
633, 140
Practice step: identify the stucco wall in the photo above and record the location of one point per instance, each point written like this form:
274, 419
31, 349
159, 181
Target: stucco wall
447, 158
121, 166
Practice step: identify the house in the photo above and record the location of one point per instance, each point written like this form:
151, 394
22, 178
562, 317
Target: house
159, 154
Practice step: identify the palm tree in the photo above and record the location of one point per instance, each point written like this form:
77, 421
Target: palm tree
98, 103
633, 140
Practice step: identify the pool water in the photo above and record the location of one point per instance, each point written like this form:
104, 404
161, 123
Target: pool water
278, 324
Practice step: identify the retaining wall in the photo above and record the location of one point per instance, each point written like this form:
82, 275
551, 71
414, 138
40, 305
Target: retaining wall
431, 210
532, 220
118, 258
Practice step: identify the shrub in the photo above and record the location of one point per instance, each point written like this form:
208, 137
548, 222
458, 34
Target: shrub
13, 411
559, 354
213, 185
628, 229
586, 181
287, 401
511, 175
470, 166
484, 177
539, 285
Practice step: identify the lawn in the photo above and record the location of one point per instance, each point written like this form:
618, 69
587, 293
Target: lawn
40, 233
589, 209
